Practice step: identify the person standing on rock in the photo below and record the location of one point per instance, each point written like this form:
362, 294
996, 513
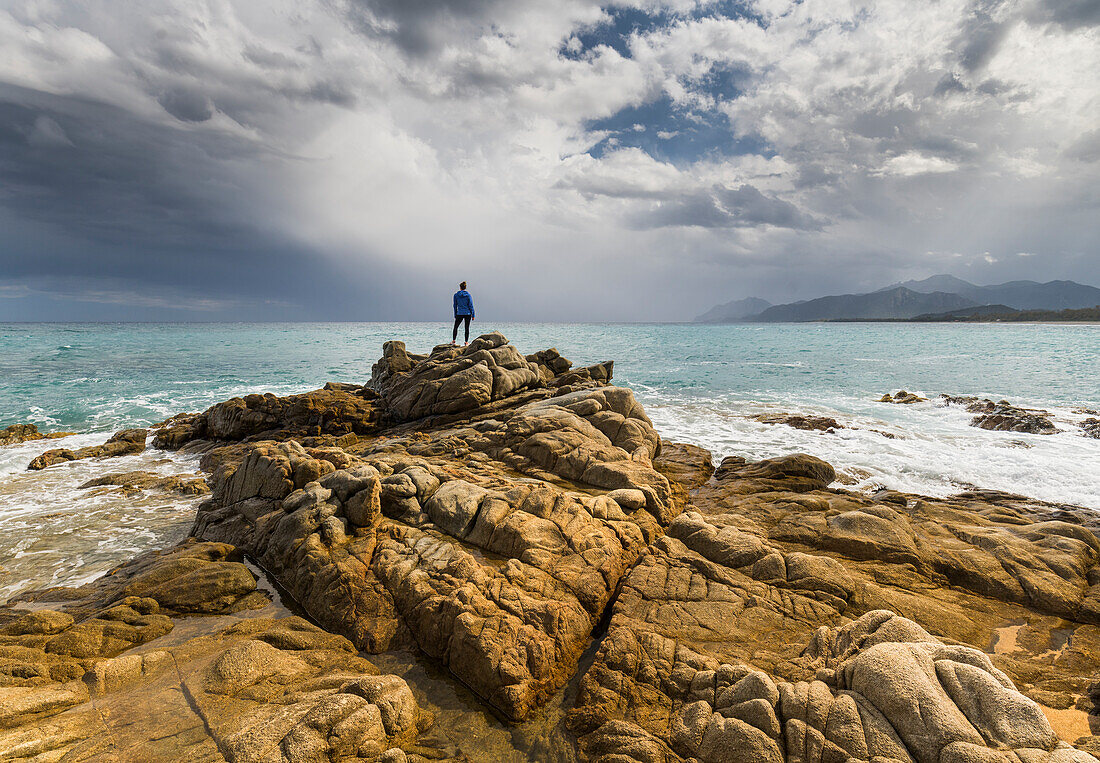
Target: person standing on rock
464, 311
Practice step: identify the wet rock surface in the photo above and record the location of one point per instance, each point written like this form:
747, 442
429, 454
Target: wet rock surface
337, 410
121, 443
20, 433
1003, 416
602, 595
800, 421
902, 397
138, 482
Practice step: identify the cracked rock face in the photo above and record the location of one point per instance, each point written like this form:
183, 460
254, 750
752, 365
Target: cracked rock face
102, 678
451, 379
762, 626
494, 547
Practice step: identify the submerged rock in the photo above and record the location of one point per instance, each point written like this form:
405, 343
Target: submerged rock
134, 483
1003, 416
122, 443
1009, 418
903, 398
800, 421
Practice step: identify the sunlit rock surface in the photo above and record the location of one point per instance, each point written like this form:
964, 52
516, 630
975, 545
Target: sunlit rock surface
511, 535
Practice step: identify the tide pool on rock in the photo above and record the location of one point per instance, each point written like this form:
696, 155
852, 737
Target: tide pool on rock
528, 530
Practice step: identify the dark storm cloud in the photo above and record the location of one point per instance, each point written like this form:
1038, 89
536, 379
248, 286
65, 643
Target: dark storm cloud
1069, 14
111, 176
418, 27
47, 276
142, 215
949, 83
981, 35
187, 105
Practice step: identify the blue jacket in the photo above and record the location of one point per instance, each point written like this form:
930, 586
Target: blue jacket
464, 303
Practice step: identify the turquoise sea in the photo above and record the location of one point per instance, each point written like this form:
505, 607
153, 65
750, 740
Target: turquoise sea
700, 384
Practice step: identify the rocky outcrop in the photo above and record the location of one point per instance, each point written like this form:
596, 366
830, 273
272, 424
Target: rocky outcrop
337, 410
139, 482
501, 578
451, 379
495, 538
121, 443
527, 530
902, 397
101, 679
494, 545
800, 421
884, 689
757, 629
1091, 427
1003, 416
19, 433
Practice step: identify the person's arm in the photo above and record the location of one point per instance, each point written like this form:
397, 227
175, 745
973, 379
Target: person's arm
454, 299
471, 307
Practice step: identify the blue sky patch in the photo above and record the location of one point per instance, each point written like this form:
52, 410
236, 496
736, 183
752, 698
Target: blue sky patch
673, 134
625, 22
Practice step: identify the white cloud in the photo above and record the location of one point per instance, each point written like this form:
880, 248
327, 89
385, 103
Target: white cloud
914, 163
455, 134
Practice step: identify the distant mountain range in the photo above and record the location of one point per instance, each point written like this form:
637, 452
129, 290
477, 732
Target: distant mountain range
932, 296
737, 310
1020, 295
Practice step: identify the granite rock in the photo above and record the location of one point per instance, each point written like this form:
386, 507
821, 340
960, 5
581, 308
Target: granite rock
20, 433
242, 687
122, 443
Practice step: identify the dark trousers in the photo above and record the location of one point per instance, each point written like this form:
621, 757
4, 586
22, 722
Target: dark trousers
459, 319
